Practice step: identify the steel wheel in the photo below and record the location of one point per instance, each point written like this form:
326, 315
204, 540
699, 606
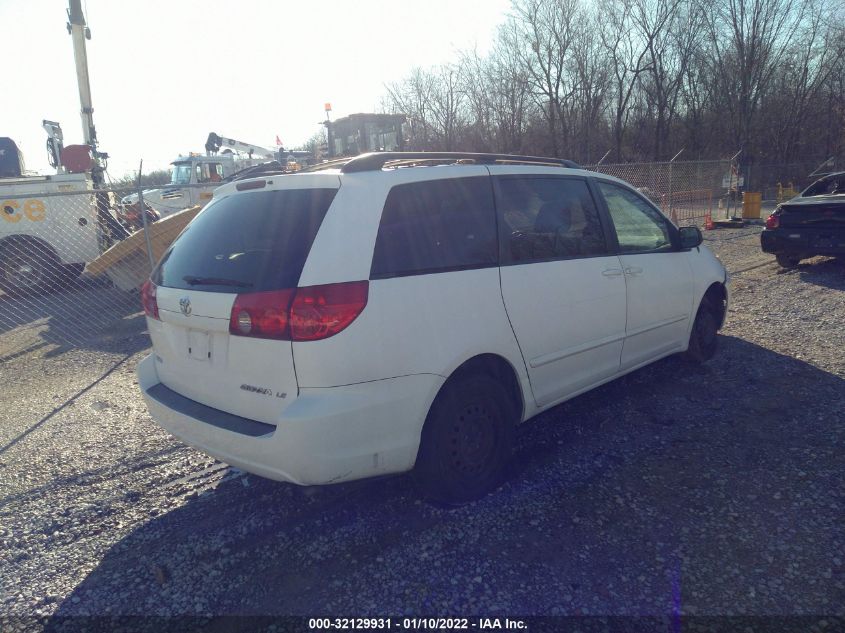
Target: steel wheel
466, 440
23, 270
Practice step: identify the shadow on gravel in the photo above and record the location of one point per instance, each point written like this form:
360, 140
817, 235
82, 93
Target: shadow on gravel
67, 403
85, 314
702, 490
829, 273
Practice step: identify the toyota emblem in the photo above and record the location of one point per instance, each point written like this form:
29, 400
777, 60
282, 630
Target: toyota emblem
185, 306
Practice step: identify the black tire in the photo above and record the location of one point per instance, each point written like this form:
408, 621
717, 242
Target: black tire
787, 261
25, 268
466, 440
703, 339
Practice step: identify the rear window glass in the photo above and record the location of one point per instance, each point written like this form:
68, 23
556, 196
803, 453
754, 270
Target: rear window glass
435, 226
830, 185
249, 242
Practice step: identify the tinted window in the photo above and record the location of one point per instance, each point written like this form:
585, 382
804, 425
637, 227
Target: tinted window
436, 225
249, 242
548, 218
639, 226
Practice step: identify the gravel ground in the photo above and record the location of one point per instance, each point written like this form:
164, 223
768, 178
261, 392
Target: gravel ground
709, 491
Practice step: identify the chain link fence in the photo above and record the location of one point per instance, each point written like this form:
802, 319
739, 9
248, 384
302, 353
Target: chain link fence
780, 181
686, 191
71, 262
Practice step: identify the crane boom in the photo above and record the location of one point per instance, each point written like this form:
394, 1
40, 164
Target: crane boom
215, 142
78, 32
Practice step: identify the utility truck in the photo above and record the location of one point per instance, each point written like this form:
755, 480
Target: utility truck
51, 225
194, 177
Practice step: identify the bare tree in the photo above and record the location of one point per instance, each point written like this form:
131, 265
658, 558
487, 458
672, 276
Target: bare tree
809, 63
412, 96
592, 85
446, 100
670, 30
639, 77
545, 29
748, 40
628, 60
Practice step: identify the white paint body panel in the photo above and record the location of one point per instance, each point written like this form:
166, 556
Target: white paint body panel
197, 357
422, 324
569, 319
69, 223
659, 291
325, 436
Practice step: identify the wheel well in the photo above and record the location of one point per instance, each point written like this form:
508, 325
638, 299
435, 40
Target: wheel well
29, 242
499, 369
717, 296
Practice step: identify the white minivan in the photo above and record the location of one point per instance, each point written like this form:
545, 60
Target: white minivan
405, 311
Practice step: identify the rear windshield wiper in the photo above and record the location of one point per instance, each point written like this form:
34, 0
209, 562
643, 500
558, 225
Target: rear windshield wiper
215, 281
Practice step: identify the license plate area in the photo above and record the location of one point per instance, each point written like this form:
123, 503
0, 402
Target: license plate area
199, 345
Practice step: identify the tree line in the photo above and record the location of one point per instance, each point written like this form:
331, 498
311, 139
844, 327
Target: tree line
639, 80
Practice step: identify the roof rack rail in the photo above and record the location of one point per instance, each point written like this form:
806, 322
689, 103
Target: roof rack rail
377, 160
332, 163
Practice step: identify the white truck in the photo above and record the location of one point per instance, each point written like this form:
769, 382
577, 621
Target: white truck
48, 226
53, 225
194, 177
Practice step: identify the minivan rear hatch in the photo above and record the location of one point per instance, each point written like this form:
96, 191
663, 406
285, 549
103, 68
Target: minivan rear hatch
242, 245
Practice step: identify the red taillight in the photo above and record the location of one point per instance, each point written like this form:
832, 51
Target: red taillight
303, 314
319, 312
773, 221
262, 314
148, 299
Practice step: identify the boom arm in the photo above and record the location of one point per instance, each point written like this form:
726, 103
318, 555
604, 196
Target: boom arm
215, 142
78, 31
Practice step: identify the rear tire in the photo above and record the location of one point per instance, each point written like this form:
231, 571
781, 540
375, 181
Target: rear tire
25, 268
704, 338
787, 261
466, 440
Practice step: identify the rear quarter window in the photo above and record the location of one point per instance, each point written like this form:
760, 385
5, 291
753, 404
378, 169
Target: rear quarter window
249, 242
436, 226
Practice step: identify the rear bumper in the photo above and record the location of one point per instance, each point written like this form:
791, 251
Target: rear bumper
803, 241
325, 436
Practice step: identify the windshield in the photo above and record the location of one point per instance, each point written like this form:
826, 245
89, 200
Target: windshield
181, 174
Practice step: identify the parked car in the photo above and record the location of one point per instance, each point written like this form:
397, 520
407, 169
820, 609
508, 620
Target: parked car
405, 311
810, 224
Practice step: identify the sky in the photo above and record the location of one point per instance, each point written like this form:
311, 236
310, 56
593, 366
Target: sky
165, 74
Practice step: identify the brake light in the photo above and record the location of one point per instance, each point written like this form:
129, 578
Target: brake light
251, 184
773, 221
301, 314
262, 314
148, 299
319, 312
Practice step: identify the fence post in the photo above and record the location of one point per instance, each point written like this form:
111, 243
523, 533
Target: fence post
143, 212
731, 210
670, 180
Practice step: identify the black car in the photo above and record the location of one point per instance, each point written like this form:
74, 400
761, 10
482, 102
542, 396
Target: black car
812, 223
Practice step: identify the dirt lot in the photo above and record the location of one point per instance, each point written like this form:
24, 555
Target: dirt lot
676, 490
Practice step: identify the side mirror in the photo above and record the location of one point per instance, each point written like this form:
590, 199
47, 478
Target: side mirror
690, 237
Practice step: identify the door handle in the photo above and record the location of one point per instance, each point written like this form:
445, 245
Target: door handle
633, 270
612, 272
